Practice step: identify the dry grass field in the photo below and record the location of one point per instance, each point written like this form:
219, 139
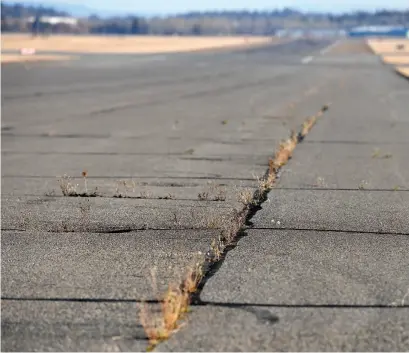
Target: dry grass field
389, 46
403, 70
12, 58
393, 51
396, 59
126, 44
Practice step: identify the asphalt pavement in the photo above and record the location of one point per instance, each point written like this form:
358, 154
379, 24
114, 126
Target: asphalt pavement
168, 143
324, 264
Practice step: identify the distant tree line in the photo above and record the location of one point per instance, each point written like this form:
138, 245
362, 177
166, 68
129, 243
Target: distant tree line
15, 18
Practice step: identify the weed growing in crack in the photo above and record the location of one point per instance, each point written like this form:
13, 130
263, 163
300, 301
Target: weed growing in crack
126, 185
50, 193
245, 197
176, 220
173, 305
377, 154
213, 192
169, 196
146, 194
362, 185
67, 187
190, 151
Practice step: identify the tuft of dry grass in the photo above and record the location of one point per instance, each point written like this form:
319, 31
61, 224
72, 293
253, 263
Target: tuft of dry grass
68, 188
245, 197
213, 192
285, 152
307, 125
173, 305
126, 186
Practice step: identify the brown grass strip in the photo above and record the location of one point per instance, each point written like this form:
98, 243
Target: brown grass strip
403, 70
396, 60
11, 58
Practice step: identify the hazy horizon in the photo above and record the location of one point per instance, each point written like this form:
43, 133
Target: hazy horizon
159, 7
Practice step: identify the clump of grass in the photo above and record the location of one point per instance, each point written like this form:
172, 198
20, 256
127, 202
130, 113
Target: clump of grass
362, 185
126, 185
146, 194
285, 152
50, 193
68, 188
168, 196
173, 305
190, 151
377, 154
213, 192
245, 197
307, 125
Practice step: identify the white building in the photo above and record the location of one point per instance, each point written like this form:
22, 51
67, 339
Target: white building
54, 20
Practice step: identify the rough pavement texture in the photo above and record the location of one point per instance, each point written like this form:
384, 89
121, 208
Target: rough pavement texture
324, 263
156, 129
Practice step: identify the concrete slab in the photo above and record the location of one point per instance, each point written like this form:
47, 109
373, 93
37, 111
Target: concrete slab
104, 215
279, 267
255, 329
49, 326
97, 266
347, 166
181, 188
133, 166
339, 210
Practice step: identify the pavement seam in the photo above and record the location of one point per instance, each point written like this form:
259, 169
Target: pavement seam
306, 305
174, 304
315, 230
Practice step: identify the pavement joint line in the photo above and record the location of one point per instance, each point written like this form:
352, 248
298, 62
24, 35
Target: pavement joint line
79, 300
190, 288
342, 189
306, 305
134, 177
358, 142
102, 196
321, 230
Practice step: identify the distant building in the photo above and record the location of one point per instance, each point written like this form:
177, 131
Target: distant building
379, 31
55, 20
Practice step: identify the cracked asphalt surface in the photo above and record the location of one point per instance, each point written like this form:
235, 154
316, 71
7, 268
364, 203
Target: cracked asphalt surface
159, 131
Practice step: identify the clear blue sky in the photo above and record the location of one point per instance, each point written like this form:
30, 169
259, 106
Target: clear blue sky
176, 6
